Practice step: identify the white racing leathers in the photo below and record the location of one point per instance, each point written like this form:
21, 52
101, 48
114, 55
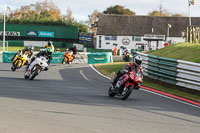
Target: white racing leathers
41, 61
38, 65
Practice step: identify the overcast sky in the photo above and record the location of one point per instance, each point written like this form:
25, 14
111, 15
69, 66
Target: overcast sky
81, 8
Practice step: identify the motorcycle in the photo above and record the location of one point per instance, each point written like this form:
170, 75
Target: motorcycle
68, 57
127, 58
38, 65
19, 61
132, 80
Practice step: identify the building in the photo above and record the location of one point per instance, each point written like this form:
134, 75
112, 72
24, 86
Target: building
140, 32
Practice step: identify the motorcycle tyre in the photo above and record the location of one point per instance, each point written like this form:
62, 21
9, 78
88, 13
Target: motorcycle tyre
110, 92
127, 94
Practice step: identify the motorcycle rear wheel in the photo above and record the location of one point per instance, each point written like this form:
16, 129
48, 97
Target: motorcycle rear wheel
110, 92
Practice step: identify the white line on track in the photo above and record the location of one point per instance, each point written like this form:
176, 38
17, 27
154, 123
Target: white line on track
81, 72
150, 91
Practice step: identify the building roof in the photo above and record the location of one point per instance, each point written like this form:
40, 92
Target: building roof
127, 25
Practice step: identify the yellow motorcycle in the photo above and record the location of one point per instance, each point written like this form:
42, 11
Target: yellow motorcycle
19, 60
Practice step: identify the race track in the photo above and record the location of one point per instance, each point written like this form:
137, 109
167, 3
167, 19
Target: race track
73, 99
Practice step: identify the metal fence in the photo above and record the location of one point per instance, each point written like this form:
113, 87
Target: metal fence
177, 72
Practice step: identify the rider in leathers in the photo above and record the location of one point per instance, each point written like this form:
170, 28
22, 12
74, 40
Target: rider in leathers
129, 67
46, 53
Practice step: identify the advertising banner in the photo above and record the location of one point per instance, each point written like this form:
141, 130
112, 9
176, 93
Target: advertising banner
10, 33
45, 34
35, 43
100, 58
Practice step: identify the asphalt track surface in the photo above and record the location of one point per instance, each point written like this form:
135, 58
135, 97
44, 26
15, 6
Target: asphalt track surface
73, 99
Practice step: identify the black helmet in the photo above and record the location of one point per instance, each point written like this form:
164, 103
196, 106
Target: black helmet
50, 43
138, 60
75, 46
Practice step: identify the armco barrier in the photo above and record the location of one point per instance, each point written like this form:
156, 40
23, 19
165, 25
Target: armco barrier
57, 57
7, 56
177, 72
100, 58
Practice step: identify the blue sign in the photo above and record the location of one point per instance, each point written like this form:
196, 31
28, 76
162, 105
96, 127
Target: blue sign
85, 38
45, 34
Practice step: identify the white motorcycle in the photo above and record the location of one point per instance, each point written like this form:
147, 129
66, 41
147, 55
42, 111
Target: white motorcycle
38, 65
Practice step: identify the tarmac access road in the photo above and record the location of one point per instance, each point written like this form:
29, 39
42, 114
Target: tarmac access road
73, 99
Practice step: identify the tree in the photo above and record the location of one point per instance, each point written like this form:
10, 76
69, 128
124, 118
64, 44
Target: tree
44, 13
179, 15
154, 13
118, 9
92, 21
160, 12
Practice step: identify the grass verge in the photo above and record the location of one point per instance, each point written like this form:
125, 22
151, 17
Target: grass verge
181, 51
106, 69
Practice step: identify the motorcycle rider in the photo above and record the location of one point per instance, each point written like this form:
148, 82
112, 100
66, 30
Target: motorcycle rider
47, 53
74, 49
29, 52
126, 52
137, 61
49, 45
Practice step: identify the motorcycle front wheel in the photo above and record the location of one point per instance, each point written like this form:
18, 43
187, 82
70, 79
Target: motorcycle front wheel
126, 93
64, 61
34, 72
14, 67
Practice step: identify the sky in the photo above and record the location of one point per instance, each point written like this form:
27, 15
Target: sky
82, 8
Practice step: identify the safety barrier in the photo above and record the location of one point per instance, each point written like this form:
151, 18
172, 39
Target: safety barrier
57, 57
81, 57
177, 72
94, 58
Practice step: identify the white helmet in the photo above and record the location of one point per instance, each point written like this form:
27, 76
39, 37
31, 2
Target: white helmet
138, 60
31, 48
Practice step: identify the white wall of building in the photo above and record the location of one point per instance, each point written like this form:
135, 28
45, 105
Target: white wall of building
130, 42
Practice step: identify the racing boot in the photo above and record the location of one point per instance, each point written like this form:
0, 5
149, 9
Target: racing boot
118, 89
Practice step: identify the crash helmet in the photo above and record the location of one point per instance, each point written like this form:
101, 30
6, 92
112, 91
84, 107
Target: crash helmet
58, 50
50, 43
30, 48
137, 60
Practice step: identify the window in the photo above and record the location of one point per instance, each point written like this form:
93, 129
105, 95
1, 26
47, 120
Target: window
110, 37
107, 37
113, 38
138, 39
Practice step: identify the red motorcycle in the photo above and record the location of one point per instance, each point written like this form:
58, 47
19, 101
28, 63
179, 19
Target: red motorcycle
130, 79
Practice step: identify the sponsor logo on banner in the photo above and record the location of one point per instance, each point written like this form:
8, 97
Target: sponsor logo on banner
32, 33
10, 33
35, 43
45, 34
